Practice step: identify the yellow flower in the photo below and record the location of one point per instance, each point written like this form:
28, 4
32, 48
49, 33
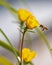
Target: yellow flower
27, 55
31, 22
26, 16
23, 14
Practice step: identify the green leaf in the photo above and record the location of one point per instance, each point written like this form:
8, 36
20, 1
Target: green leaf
44, 38
8, 6
27, 63
30, 63
30, 31
5, 36
8, 47
9, 42
4, 61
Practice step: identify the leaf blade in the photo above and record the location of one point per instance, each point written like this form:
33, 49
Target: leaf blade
5, 4
4, 61
5, 36
44, 38
8, 47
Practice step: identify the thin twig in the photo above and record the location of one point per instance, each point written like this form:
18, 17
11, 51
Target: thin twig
21, 47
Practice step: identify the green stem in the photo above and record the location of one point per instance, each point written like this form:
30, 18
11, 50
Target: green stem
5, 36
22, 44
44, 38
9, 43
8, 47
5, 4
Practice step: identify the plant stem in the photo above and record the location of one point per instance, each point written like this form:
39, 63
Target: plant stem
8, 47
4, 45
8, 41
5, 4
5, 36
21, 47
44, 38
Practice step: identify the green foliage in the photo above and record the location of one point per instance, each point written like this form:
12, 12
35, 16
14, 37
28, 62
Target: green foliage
44, 38
8, 47
27, 63
5, 36
8, 6
4, 61
5, 45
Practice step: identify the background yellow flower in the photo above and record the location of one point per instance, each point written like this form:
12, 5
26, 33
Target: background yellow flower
27, 55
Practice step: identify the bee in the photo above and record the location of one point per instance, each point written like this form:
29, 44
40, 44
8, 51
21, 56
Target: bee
43, 27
